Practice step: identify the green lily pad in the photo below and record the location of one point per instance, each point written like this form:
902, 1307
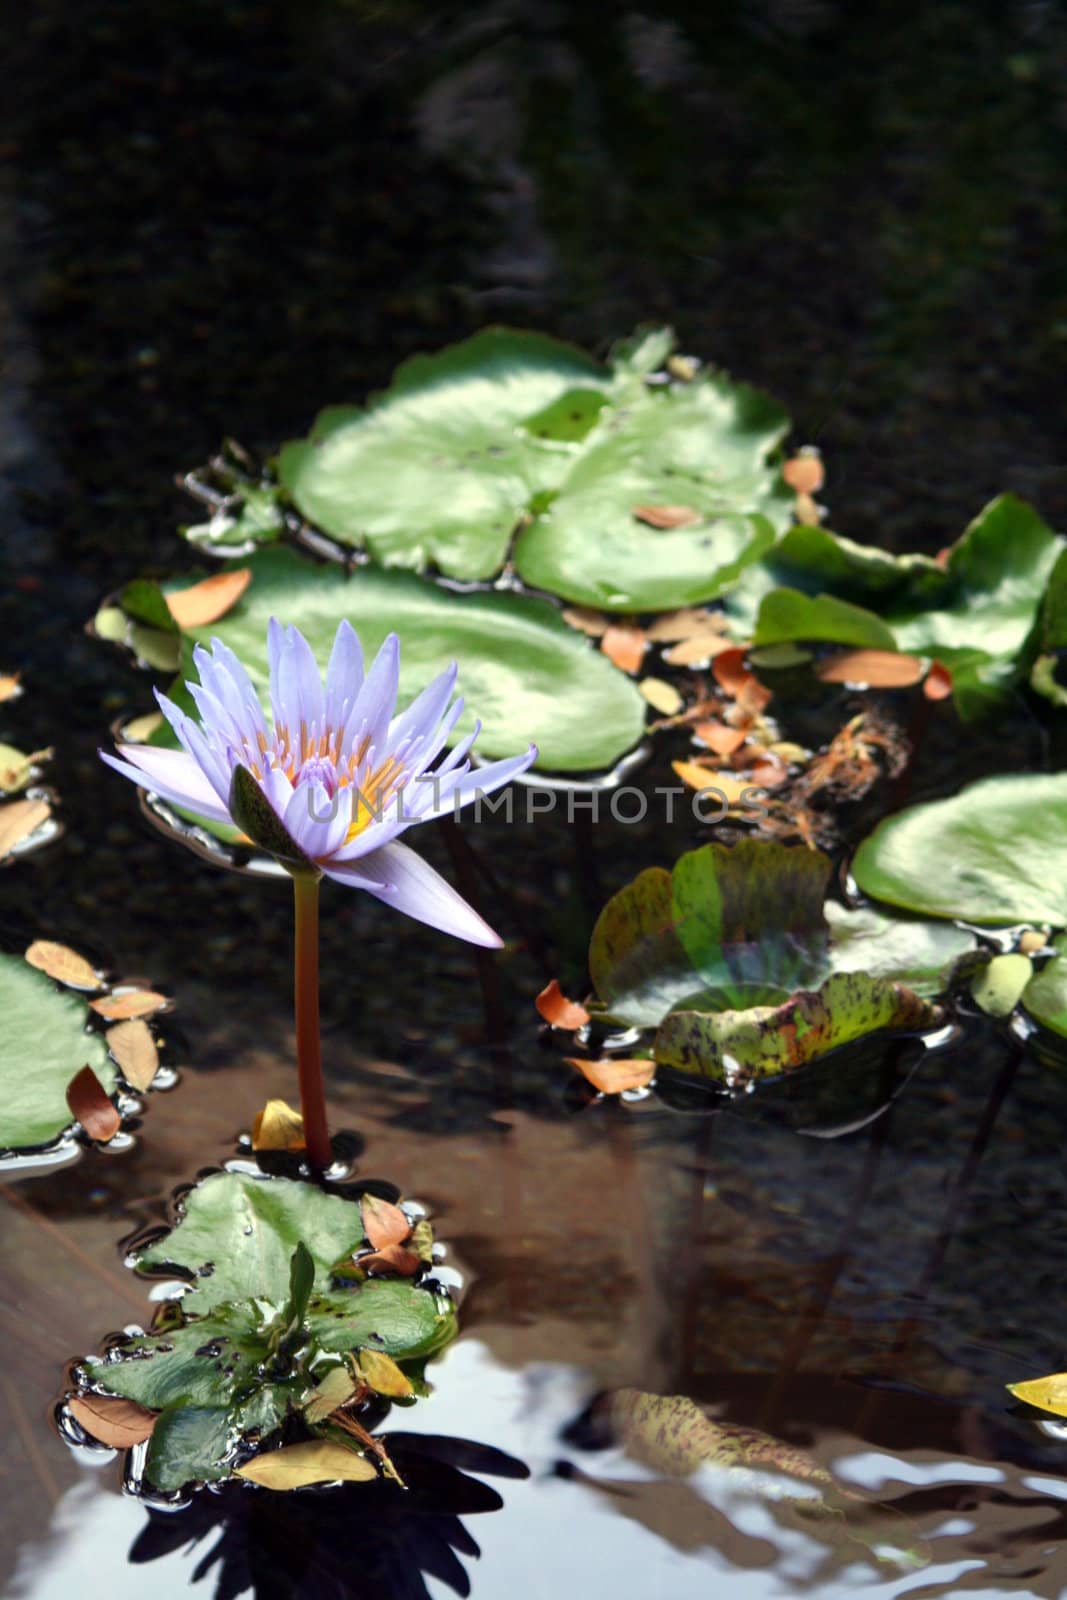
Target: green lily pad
522, 670
46, 1043
1051, 640
906, 950
994, 854
263, 1324
1045, 996
441, 468
975, 613
735, 1047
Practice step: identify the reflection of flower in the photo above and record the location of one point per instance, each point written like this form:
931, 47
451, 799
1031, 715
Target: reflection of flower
343, 774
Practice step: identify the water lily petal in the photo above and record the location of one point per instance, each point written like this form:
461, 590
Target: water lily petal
344, 675
373, 710
172, 774
403, 880
460, 789
317, 820
420, 719
223, 676
212, 761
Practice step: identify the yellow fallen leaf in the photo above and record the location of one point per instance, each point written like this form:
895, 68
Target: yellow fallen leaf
278, 1127
9, 686
206, 602
132, 1003
594, 623
336, 1389
63, 964
140, 729
18, 819
675, 625
664, 697
17, 769
134, 1051
422, 1240
295, 1466
116, 1422
383, 1375
1050, 1394
728, 785
698, 647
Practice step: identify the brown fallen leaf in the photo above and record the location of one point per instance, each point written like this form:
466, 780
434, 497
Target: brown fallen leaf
753, 697
295, 1466
729, 670
278, 1127
880, 669
134, 1051
131, 1003
554, 1006
727, 785
673, 626
114, 1421
612, 1075
805, 472
382, 1374
624, 645
662, 696
390, 1258
207, 601
336, 1389
937, 684
89, 1104
9, 686
349, 1424
383, 1223
666, 516
767, 772
718, 737
63, 964
594, 623
18, 819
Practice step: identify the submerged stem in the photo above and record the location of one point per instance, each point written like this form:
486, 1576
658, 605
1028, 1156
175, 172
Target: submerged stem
308, 1047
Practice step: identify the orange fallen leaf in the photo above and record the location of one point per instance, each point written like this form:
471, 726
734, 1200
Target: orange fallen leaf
134, 1051
666, 516
554, 1006
718, 737
805, 472
938, 682
594, 623
89, 1105
209, 600
767, 773
612, 1075
391, 1258
18, 819
63, 964
9, 686
753, 697
880, 669
114, 1421
133, 1003
383, 1223
277, 1127
727, 785
729, 670
624, 645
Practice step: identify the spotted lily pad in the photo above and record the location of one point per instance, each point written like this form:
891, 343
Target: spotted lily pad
264, 1321
734, 962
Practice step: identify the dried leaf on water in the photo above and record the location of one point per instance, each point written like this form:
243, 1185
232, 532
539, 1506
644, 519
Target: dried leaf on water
613, 1074
18, 820
666, 516
390, 1258
687, 623
720, 738
278, 1127
662, 696
937, 684
593, 623
17, 769
134, 1050
89, 1105
115, 1422
555, 1008
879, 669
728, 786
295, 1466
9, 686
336, 1389
383, 1223
383, 1375
422, 1240
1049, 1393
63, 964
207, 601
624, 645
129, 1003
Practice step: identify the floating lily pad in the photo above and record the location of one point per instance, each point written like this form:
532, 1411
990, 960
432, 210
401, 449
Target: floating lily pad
47, 1041
263, 1324
975, 612
995, 854
1051, 641
1045, 996
723, 957
522, 670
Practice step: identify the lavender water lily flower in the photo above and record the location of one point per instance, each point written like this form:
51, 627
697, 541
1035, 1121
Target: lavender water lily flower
342, 772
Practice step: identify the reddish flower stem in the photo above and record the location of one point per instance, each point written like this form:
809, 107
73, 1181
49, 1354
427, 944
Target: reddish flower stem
308, 1046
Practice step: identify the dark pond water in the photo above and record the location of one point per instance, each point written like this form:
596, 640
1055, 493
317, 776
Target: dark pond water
214, 220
